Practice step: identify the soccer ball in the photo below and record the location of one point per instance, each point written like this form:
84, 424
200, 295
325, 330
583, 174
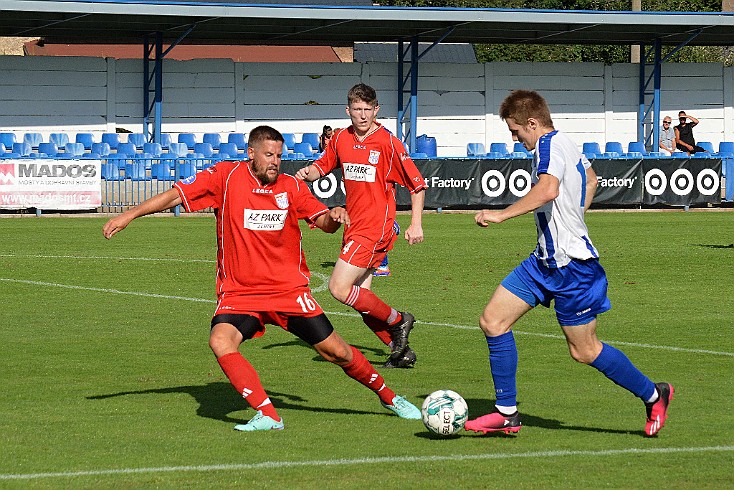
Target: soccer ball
444, 412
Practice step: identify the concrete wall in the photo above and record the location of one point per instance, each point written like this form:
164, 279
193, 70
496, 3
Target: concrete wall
457, 103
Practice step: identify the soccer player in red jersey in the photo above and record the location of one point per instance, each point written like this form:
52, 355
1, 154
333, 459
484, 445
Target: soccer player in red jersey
262, 275
372, 161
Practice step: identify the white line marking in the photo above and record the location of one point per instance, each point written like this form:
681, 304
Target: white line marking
101, 257
362, 461
354, 315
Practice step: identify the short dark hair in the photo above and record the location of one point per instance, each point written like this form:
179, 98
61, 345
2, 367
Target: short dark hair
521, 105
264, 133
362, 92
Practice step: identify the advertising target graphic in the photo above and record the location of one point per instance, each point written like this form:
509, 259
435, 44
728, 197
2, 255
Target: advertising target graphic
326, 187
494, 183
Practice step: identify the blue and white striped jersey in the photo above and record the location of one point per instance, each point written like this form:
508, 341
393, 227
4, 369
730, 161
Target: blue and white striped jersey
562, 232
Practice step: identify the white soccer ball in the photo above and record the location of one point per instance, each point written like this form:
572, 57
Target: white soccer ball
444, 412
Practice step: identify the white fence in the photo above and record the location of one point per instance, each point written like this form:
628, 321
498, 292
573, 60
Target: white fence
457, 102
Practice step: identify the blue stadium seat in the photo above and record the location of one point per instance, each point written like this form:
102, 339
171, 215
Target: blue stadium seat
426, 144
520, 154
299, 156
500, 148
138, 139
178, 149
33, 139
3, 150
110, 171
636, 147
238, 139
591, 148
73, 149
706, 145
614, 147
23, 149
49, 149
290, 140
127, 149
726, 148
204, 149
517, 146
161, 171
136, 171
656, 154
7, 139
189, 139
186, 169
86, 139
311, 138
101, 149
419, 156
304, 148
229, 149
112, 139
153, 149
475, 150
166, 140
59, 139
214, 139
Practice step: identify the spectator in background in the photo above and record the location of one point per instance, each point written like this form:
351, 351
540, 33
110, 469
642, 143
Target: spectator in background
667, 137
325, 137
684, 139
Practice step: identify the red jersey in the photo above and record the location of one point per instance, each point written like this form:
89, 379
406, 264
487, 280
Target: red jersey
370, 169
258, 238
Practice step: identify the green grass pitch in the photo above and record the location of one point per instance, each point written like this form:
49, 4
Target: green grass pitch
108, 382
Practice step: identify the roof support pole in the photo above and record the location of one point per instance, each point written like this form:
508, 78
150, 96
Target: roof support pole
648, 116
408, 134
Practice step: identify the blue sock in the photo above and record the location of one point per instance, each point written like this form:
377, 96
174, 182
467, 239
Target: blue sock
503, 364
616, 366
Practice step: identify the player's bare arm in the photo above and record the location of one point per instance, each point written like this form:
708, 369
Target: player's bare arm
309, 174
591, 183
414, 233
160, 202
541, 193
331, 221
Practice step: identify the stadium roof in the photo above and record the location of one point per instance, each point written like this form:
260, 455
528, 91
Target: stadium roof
118, 21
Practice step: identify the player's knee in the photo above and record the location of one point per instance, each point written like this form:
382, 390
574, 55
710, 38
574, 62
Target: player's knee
340, 355
583, 356
493, 326
221, 344
339, 293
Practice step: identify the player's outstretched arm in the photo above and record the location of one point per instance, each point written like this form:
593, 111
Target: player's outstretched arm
160, 202
309, 174
541, 193
331, 221
414, 233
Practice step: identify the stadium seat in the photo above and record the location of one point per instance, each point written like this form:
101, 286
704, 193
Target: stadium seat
161, 171
86, 139
239, 139
178, 149
49, 149
73, 149
419, 156
101, 149
3, 150
706, 145
7, 139
726, 148
311, 138
189, 139
90, 156
290, 140
656, 154
184, 170
112, 139
110, 171
229, 149
214, 139
304, 148
204, 149
591, 148
127, 149
520, 154
153, 149
165, 141
475, 150
136, 171
33, 139
636, 147
59, 139
426, 144
298, 156
500, 148
614, 147
138, 139
23, 149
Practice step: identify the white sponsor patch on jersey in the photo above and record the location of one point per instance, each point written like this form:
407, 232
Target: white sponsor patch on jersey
264, 219
359, 172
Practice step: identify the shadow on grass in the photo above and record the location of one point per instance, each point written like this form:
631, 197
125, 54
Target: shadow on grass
218, 399
706, 245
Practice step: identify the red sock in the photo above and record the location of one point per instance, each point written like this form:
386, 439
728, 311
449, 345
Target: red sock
365, 301
361, 370
380, 328
245, 380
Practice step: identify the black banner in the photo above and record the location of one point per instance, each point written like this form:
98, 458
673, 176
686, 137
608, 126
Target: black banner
473, 183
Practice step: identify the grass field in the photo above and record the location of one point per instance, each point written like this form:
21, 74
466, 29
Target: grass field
107, 380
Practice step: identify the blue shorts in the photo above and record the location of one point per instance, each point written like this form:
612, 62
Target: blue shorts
579, 289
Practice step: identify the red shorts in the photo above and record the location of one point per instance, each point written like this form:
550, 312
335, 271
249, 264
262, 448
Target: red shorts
360, 252
274, 308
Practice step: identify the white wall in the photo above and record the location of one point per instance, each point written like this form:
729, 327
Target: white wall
457, 103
